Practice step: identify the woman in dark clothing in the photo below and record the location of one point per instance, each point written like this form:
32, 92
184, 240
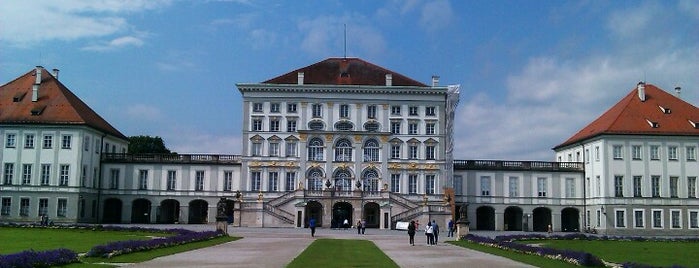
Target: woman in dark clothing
411, 232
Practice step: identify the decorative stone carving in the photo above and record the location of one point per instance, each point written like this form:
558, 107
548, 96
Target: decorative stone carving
329, 137
357, 138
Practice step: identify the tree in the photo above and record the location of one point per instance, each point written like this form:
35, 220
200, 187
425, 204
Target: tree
147, 144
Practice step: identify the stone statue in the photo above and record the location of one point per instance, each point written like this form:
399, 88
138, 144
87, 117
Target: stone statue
221, 208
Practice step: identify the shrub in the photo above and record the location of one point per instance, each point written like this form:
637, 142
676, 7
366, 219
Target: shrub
30, 258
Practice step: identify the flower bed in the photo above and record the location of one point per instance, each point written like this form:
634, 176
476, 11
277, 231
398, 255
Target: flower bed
30, 258
123, 247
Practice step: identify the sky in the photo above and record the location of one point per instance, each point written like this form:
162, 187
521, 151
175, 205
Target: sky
532, 73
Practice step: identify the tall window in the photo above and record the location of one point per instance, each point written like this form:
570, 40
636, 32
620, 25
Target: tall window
343, 150
395, 110
413, 110
171, 179
315, 180
618, 186
430, 111
48, 141
199, 180
274, 124
83, 177
371, 180
430, 152
412, 184
290, 125
315, 150
274, 107
290, 181
317, 110
430, 128
6, 206
26, 174
86, 144
291, 148
691, 153
672, 153
256, 124
371, 111
570, 187
9, 173
673, 186
485, 185
10, 141
636, 152
24, 207
371, 150
274, 148
114, 178
61, 207
620, 218
693, 219
344, 111
412, 128
395, 151
255, 181
29, 141
617, 152
395, 183
291, 108
412, 151
256, 149
143, 179
692, 187
657, 219
66, 141
228, 180
343, 180
429, 184
637, 186
43, 206
514, 186
654, 152
655, 185
63, 177
541, 186
395, 127
273, 183
257, 107
596, 153
638, 219
45, 174
675, 219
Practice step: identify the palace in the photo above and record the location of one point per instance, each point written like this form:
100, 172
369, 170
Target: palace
346, 140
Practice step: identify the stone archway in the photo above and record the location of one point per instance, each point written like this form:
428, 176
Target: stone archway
342, 211
112, 211
314, 209
169, 211
485, 218
140, 211
570, 220
371, 214
542, 219
513, 219
198, 211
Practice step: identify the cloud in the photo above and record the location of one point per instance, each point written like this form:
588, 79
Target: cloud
177, 60
187, 141
436, 15
324, 35
121, 42
143, 112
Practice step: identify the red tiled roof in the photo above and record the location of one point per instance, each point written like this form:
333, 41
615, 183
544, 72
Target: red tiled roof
56, 104
631, 116
344, 71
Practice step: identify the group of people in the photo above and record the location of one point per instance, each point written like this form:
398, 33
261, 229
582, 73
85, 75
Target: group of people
361, 226
431, 231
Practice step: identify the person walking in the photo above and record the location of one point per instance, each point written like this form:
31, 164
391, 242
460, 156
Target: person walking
429, 232
450, 225
435, 230
363, 225
411, 232
345, 224
359, 227
312, 225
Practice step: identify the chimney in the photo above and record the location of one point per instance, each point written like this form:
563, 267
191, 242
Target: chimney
55, 73
435, 80
641, 87
37, 82
300, 78
678, 89
389, 80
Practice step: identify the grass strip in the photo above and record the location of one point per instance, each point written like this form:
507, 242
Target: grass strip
13, 240
342, 253
534, 260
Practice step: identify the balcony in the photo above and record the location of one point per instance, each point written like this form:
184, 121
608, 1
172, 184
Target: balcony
171, 158
517, 165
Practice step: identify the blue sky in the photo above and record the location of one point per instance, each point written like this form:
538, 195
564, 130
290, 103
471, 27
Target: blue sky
532, 73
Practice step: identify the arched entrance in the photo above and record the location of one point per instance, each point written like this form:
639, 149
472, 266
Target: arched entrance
371, 215
198, 211
140, 211
485, 218
342, 211
230, 206
313, 210
112, 211
513, 219
169, 211
542, 219
570, 220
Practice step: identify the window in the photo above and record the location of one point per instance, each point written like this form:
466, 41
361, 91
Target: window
344, 111
273, 183
395, 151
638, 219
26, 174
97, 147
675, 219
227, 180
256, 124
371, 150
256, 149
62, 207
290, 181
9, 173
692, 187
11, 141
114, 178
274, 107
315, 180
596, 153
371, 111
598, 183
6, 206
413, 110
636, 152
458, 185
24, 207
541, 186
691, 153
637, 186
693, 218
654, 152
43, 206
344, 126
570, 187
143, 179
315, 150
672, 153
412, 184
274, 124
412, 128
291, 149
83, 176
317, 110
199, 180
655, 185
372, 126
274, 148
673, 186
255, 181
290, 125
620, 218
599, 218
412, 151
257, 107
429, 111
618, 186
45, 174
395, 127
587, 155
171, 180
66, 141
485, 185
429, 184
291, 108
395, 183
63, 177
430, 152
343, 150
29, 141
48, 142
316, 125
429, 128
395, 110
617, 152
514, 187
657, 218
86, 143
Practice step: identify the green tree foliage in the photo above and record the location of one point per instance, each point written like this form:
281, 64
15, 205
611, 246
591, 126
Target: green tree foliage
147, 144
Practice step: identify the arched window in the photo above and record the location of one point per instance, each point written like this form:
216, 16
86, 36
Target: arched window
343, 180
343, 150
315, 149
371, 151
316, 125
371, 126
371, 180
315, 179
344, 126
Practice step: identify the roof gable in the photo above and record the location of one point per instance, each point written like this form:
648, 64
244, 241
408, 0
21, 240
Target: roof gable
56, 104
344, 71
660, 114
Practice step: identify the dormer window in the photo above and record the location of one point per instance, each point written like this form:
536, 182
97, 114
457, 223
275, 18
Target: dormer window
19, 96
665, 110
695, 124
653, 124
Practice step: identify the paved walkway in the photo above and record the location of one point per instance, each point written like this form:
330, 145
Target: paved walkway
277, 247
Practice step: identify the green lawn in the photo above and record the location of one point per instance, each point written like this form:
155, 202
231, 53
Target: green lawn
654, 253
523, 258
13, 240
342, 253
